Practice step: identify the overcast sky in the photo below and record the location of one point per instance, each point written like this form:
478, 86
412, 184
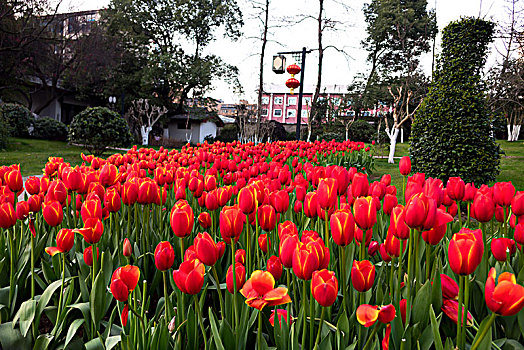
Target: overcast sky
338, 68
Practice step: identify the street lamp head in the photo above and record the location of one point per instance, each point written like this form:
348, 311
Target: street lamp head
279, 64
112, 99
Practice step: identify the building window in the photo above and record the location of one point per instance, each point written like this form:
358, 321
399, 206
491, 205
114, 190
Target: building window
265, 100
182, 125
264, 112
277, 113
279, 100
291, 113
291, 101
304, 114
306, 101
336, 101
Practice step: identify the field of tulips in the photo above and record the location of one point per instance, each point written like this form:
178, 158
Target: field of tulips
285, 245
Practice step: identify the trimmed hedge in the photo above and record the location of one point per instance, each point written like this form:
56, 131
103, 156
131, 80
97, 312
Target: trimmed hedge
452, 133
18, 119
47, 128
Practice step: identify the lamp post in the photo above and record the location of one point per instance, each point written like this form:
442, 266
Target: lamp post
279, 68
112, 102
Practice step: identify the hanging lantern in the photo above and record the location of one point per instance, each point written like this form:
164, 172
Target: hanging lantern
293, 69
292, 83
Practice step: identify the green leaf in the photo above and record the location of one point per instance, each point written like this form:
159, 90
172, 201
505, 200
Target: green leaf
72, 330
12, 338
486, 342
95, 344
422, 303
112, 341
42, 342
435, 328
46, 296
214, 331
98, 299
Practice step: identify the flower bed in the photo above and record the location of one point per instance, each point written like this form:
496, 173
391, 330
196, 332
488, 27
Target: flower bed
237, 246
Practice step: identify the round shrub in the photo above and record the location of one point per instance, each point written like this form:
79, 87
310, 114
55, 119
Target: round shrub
18, 119
361, 131
228, 133
49, 129
452, 133
98, 128
4, 133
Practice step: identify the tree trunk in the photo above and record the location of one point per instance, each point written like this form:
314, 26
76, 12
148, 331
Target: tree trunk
513, 133
347, 132
261, 70
309, 134
509, 132
320, 59
144, 132
393, 143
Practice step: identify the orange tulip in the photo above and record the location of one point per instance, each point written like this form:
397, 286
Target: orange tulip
7, 215
506, 298
465, 251
365, 212
362, 275
207, 250
327, 192
231, 222
259, 291
305, 260
367, 314
267, 217
342, 227
324, 287
53, 213
240, 272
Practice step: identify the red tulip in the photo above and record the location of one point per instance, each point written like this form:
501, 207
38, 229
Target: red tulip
450, 288
240, 272
91, 208
324, 287
274, 266
483, 207
123, 281
259, 291
281, 314
519, 233
397, 224
207, 251
32, 185
127, 250
108, 175
287, 227
231, 223
57, 191
310, 204
129, 193
53, 213
267, 217
64, 242
404, 166
189, 277
13, 180
247, 200
112, 200
182, 219
435, 234
419, 209
92, 230
305, 261
390, 202
465, 251
359, 185
362, 275
500, 247
503, 193
22, 210
240, 256
264, 242
469, 192
392, 246
327, 192
164, 256
365, 212
280, 201
342, 227
88, 255
506, 298
517, 204
455, 188
450, 308
288, 246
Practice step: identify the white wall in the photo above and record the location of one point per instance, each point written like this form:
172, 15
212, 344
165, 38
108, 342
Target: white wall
207, 128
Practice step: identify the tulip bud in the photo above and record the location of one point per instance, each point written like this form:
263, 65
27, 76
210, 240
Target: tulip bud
240, 273
127, 250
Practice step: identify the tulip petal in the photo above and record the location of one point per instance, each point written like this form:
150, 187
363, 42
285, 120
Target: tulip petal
367, 315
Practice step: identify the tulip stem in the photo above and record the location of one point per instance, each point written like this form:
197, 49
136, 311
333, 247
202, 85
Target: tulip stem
259, 331
459, 316
11, 265
399, 294
371, 337
320, 327
404, 188
410, 276
342, 250
392, 262
59, 311
200, 320
166, 297
469, 212
476, 344
326, 229
465, 313
304, 302
219, 291
459, 213
311, 319
182, 248
235, 312
32, 267
428, 260
416, 262
248, 246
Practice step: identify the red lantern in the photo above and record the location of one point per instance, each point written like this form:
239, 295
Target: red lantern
292, 83
293, 69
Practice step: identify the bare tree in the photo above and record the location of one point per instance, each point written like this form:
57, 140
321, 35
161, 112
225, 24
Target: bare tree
145, 115
402, 100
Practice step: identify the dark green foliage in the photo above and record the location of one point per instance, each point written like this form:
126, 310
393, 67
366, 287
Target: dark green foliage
98, 128
228, 133
4, 133
361, 130
49, 129
452, 133
18, 119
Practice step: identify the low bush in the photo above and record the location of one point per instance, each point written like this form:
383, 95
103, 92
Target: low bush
49, 129
18, 119
99, 128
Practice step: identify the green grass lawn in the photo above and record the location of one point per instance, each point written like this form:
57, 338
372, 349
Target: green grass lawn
32, 155
511, 167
